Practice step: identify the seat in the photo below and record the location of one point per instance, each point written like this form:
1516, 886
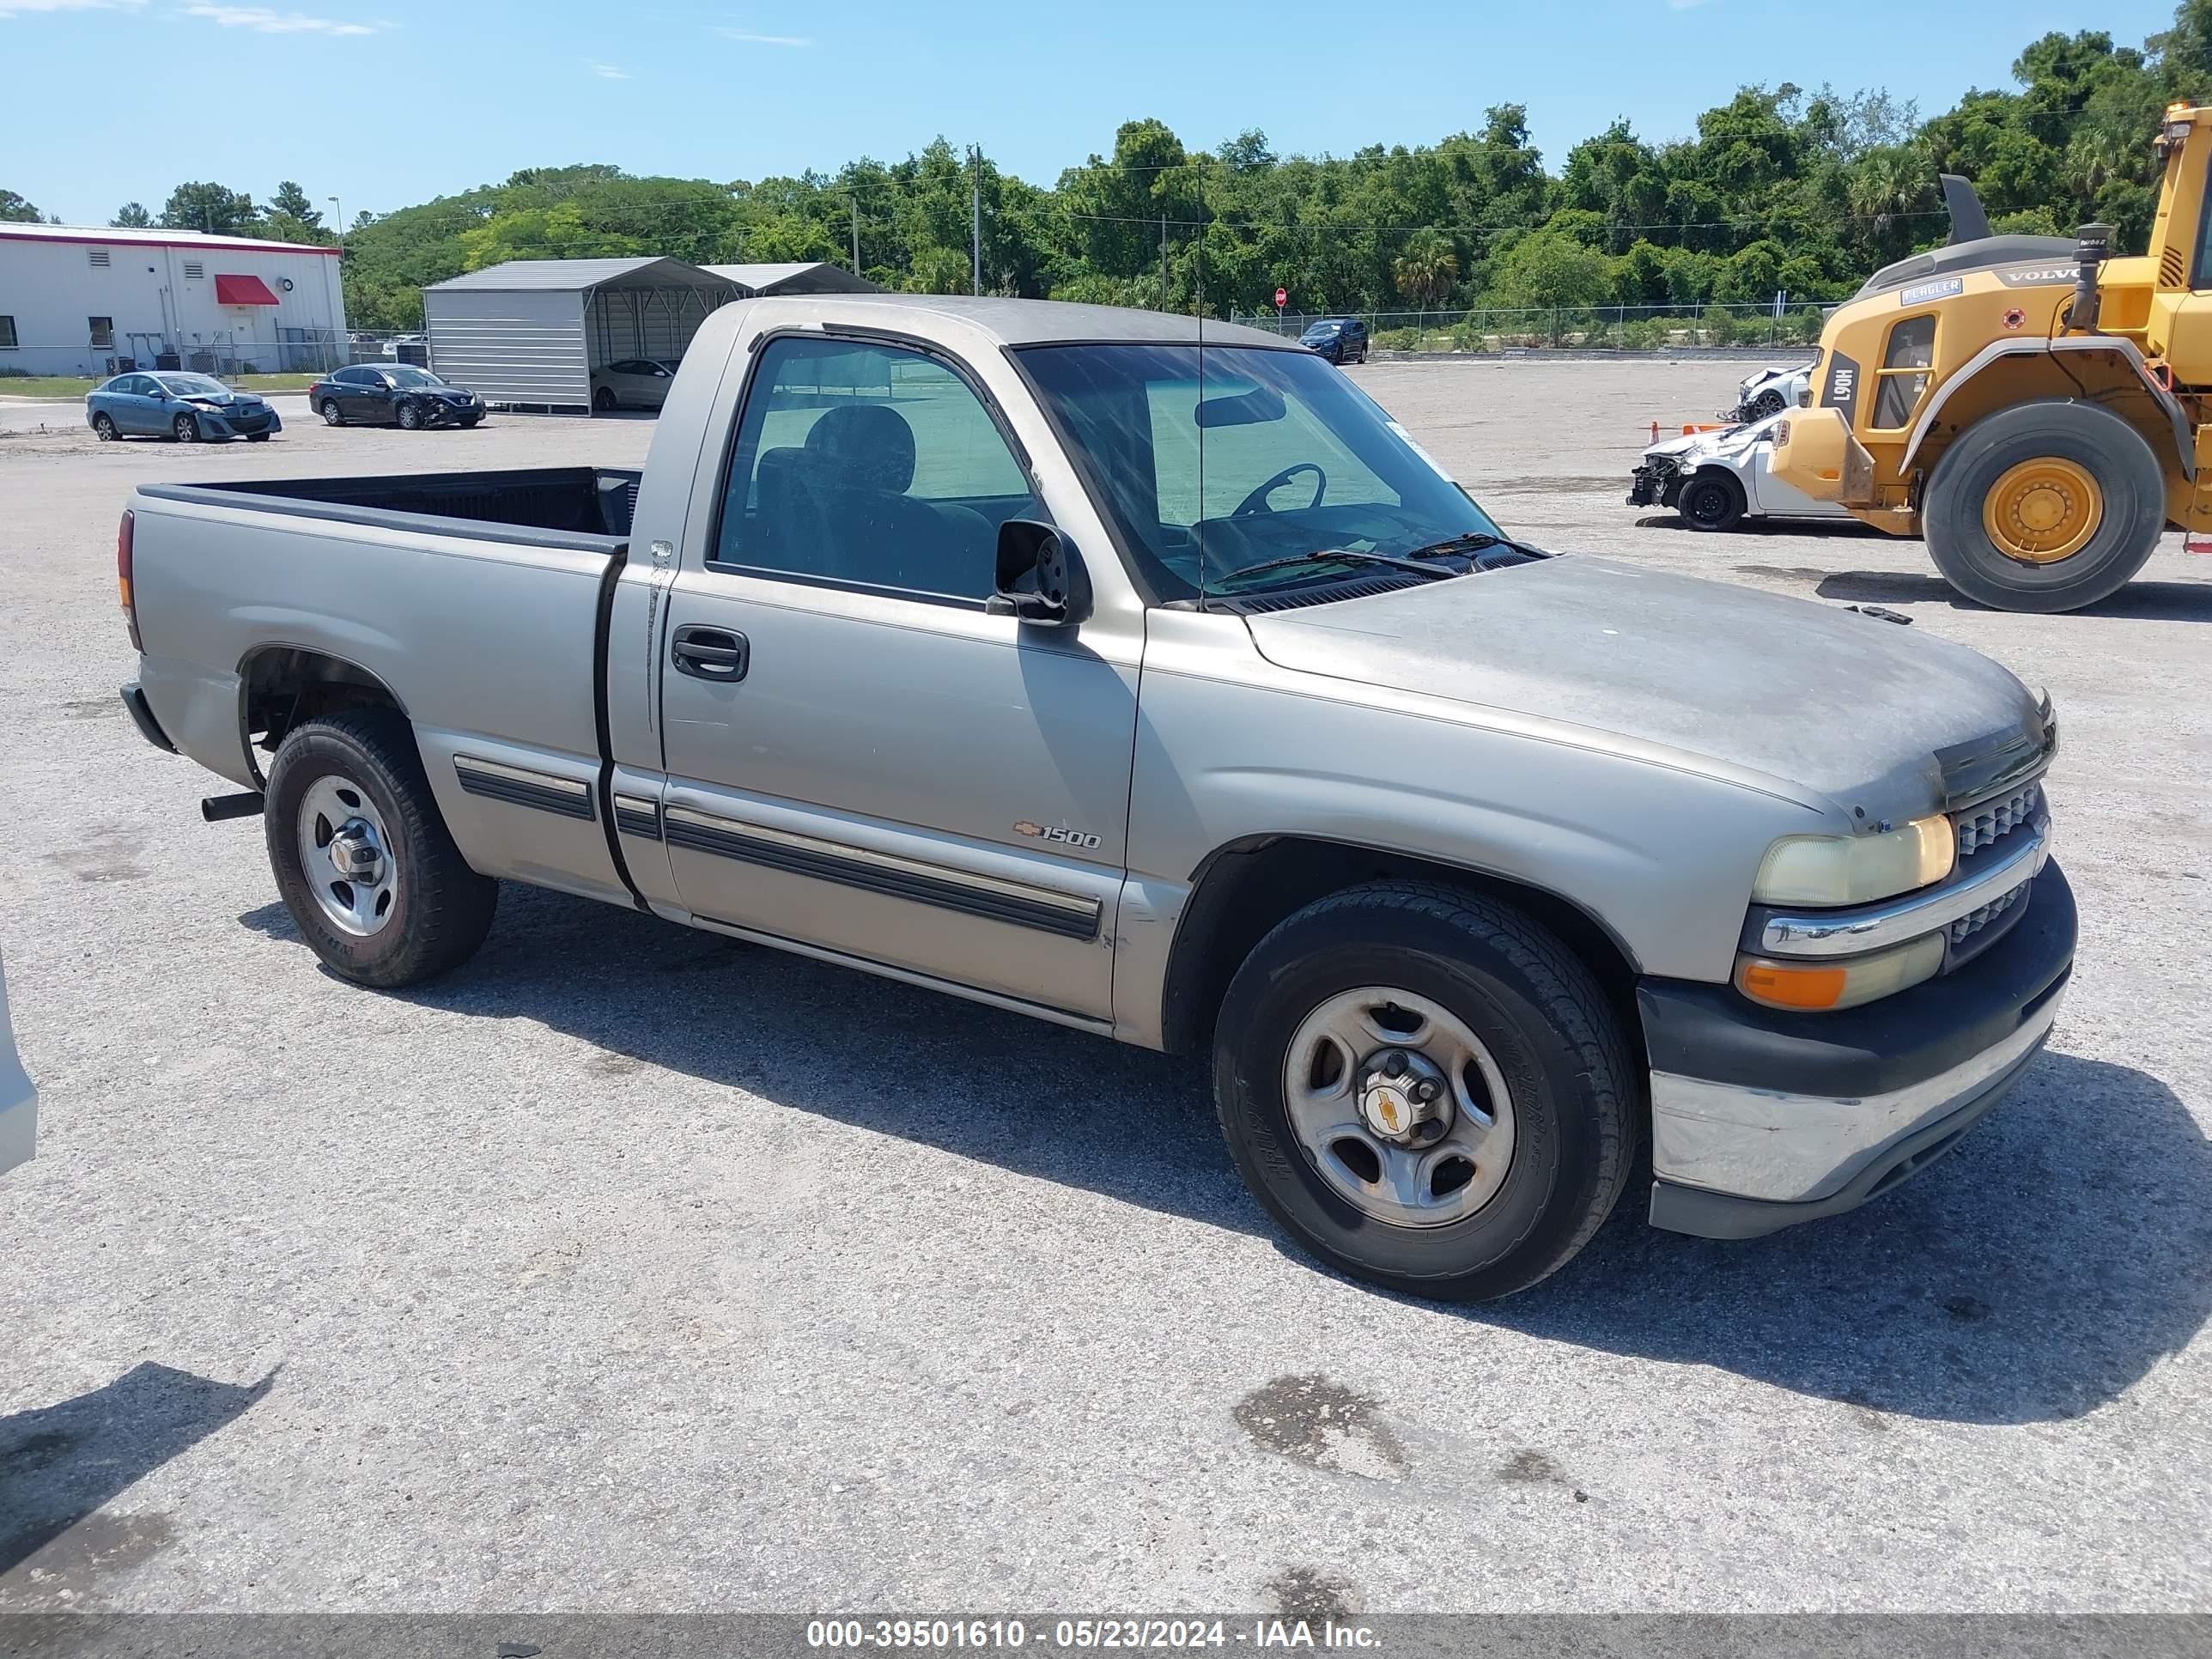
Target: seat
859, 464
790, 532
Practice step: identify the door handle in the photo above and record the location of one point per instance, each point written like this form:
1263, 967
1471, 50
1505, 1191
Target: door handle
711, 653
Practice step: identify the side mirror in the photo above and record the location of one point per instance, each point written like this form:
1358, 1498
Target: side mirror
1040, 578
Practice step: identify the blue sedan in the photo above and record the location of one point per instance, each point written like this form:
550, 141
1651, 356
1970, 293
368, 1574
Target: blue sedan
186, 407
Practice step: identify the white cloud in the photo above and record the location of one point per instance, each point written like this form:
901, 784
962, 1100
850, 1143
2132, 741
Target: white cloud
607, 71
261, 20
24, 8
761, 39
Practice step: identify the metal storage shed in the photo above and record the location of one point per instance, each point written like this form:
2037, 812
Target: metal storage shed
806, 276
527, 334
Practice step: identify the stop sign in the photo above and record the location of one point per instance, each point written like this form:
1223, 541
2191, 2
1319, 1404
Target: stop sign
1282, 298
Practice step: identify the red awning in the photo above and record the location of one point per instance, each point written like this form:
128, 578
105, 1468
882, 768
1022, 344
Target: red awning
242, 291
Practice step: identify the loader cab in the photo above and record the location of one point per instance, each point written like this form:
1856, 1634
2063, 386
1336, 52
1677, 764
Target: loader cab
2164, 299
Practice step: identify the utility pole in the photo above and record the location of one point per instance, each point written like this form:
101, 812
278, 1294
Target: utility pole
856, 232
338, 215
1164, 262
976, 238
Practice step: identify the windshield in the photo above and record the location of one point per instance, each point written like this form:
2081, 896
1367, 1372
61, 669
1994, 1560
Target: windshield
194, 385
1324, 328
1296, 459
407, 376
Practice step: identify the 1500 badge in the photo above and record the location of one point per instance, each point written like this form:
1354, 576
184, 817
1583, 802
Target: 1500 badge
1061, 834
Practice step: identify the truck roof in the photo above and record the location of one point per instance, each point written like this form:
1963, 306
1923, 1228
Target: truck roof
1015, 322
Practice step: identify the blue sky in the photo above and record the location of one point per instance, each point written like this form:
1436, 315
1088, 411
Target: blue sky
383, 103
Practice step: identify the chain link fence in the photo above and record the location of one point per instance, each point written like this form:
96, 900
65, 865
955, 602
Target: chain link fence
1569, 328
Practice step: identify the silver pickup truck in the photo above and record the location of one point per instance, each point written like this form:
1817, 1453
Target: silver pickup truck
1051, 657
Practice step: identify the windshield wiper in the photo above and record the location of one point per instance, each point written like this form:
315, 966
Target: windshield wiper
1474, 541
1335, 555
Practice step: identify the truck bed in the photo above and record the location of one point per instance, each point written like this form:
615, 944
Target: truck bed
547, 506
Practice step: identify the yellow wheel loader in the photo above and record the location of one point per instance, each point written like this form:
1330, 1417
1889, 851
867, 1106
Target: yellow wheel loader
2035, 408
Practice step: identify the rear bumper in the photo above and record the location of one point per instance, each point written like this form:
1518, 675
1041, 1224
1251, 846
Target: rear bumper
142, 716
1761, 1120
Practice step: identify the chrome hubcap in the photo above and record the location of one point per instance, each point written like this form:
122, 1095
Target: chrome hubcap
1399, 1106
346, 853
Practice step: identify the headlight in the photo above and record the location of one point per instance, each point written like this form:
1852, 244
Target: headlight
1821, 986
1856, 869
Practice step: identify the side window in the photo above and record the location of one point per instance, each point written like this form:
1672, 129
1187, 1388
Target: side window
1904, 371
871, 464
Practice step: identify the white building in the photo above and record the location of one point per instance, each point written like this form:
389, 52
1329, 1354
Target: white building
78, 301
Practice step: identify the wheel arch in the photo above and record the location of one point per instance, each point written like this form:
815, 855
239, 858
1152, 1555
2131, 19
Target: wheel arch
1243, 888
2099, 369
281, 686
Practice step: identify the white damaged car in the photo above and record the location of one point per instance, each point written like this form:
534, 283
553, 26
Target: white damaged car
1769, 392
1716, 479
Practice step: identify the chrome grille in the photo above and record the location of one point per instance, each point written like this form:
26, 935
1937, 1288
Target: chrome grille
1974, 920
1993, 820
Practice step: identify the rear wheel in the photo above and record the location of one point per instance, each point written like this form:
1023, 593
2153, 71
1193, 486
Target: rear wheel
332, 415
103, 428
1711, 500
362, 858
1424, 1088
2045, 505
186, 428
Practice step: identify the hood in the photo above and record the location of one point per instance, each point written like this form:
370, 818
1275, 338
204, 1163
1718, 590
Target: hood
1833, 701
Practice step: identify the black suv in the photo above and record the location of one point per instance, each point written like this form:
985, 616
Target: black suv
1339, 339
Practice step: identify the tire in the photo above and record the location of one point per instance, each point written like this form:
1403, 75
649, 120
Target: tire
469, 422
1550, 1040
103, 428
1767, 402
434, 911
605, 400
1997, 456
408, 415
1711, 500
186, 428
257, 437
332, 415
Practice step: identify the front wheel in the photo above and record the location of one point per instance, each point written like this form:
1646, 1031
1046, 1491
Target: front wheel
2045, 505
1425, 1089
257, 437
362, 858
1711, 501
604, 400
186, 429
410, 415
1768, 402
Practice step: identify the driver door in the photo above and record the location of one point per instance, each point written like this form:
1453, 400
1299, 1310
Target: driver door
861, 757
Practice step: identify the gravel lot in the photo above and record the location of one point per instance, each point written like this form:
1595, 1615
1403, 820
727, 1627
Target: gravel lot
631, 1268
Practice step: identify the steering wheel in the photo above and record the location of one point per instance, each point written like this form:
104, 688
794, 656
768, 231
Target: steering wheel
1257, 502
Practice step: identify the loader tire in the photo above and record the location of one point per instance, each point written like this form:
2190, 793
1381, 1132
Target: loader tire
2047, 506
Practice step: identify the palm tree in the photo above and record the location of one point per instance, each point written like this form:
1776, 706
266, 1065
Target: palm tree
1426, 269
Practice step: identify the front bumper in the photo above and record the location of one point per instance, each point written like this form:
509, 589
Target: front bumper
1648, 486
214, 425
1761, 1119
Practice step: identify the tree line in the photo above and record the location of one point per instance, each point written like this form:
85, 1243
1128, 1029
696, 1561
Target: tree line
1779, 190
